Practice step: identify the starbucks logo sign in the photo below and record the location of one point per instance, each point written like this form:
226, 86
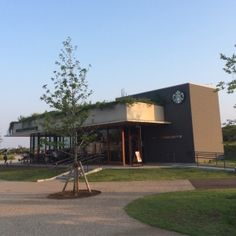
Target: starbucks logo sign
178, 97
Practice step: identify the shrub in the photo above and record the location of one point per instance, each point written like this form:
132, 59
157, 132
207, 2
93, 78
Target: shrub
230, 151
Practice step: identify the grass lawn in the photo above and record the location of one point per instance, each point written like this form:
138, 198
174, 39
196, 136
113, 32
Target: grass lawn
211, 212
157, 174
28, 174
32, 174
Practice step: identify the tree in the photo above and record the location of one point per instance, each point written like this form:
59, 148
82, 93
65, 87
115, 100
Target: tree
230, 68
0, 138
68, 96
229, 133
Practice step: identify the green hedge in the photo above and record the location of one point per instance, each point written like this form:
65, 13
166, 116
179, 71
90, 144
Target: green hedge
9, 157
230, 151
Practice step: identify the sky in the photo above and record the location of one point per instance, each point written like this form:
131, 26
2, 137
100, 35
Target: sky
132, 45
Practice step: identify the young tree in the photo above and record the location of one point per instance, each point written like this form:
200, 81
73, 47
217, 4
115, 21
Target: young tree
230, 68
68, 96
229, 133
0, 138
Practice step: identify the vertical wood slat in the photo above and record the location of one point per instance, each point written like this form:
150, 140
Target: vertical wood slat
140, 141
38, 146
108, 147
123, 145
130, 147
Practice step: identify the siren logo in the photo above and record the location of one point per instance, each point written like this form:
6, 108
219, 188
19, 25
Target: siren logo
178, 97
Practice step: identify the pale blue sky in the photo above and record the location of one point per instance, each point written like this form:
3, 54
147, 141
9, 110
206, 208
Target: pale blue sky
136, 45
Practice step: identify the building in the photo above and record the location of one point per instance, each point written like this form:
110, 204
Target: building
182, 121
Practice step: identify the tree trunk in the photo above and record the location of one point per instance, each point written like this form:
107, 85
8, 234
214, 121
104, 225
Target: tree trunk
76, 172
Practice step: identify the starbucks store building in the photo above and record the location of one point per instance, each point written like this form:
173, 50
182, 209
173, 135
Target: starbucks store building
185, 122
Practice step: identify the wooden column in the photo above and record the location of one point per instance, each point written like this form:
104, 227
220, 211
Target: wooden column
130, 148
31, 143
45, 144
49, 146
140, 141
58, 142
63, 142
38, 146
123, 145
108, 146
32, 152
70, 142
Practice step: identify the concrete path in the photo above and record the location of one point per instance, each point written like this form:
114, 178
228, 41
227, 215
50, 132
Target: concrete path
25, 210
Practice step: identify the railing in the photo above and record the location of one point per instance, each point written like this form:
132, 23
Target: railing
85, 160
212, 159
59, 157
65, 161
95, 159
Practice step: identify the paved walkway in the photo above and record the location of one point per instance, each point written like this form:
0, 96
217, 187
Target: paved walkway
25, 210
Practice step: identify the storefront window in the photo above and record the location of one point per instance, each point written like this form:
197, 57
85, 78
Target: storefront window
115, 145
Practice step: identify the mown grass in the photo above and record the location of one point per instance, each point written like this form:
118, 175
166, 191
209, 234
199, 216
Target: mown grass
197, 213
106, 175
28, 174
157, 174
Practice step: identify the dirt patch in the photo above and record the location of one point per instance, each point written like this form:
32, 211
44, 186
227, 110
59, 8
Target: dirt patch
214, 183
70, 194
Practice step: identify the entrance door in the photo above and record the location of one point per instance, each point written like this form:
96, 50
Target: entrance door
133, 143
